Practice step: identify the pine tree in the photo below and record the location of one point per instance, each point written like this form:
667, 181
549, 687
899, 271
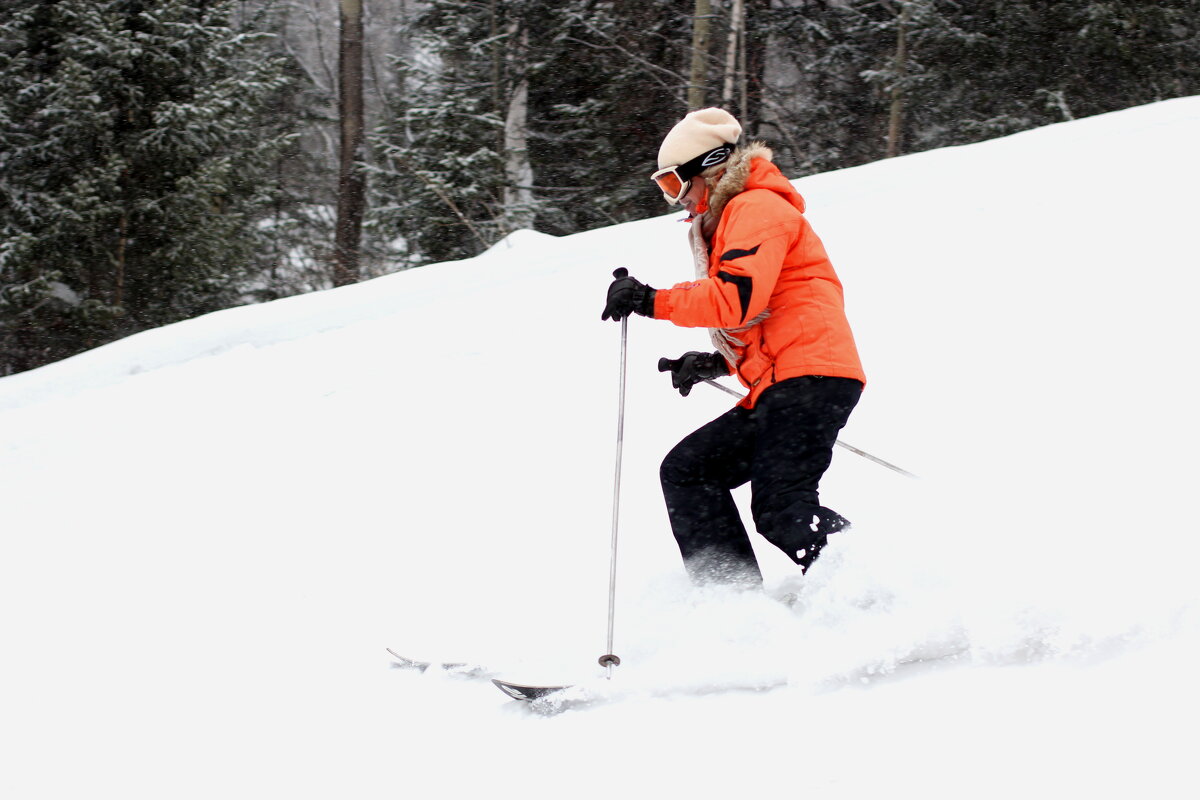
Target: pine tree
610, 83
301, 177
133, 152
1037, 63
588, 81
969, 71
841, 74
441, 183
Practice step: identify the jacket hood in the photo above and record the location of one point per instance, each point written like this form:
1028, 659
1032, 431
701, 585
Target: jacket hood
765, 175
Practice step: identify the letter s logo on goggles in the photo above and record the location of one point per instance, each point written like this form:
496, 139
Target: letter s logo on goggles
677, 180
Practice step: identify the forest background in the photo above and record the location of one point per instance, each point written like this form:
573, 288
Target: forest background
160, 159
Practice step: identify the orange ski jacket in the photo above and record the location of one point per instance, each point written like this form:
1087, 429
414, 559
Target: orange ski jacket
771, 289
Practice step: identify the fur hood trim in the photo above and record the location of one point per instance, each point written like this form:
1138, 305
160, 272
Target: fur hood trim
731, 183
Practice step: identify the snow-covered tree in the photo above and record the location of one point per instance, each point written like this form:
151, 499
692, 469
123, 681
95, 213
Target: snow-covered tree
133, 151
612, 79
520, 113
454, 171
848, 77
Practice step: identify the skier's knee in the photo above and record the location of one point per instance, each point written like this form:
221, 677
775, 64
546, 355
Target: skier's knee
675, 470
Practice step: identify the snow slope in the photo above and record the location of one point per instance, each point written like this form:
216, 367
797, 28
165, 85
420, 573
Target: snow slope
212, 530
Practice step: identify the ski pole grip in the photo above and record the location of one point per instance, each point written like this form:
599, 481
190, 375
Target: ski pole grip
620, 272
664, 365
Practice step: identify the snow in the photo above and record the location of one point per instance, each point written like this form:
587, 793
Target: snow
212, 530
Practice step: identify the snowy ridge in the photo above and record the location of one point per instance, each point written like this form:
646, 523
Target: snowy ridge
212, 530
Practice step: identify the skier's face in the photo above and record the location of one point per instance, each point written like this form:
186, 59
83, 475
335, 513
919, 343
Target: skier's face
693, 200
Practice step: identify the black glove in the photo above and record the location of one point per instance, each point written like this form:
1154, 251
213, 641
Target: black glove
628, 296
691, 368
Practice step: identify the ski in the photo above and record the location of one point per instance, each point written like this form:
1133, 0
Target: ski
519, 691
516, 691
450, 667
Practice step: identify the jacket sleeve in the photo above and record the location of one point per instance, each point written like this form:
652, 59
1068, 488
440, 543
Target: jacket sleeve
748, 269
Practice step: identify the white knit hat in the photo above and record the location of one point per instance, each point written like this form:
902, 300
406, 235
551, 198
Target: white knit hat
696, 134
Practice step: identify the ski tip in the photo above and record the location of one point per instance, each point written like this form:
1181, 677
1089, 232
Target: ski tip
520, 691
403, 662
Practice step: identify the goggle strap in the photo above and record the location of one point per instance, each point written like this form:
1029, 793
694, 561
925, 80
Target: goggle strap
718, 155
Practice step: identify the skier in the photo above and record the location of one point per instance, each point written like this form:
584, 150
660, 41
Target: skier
766, 290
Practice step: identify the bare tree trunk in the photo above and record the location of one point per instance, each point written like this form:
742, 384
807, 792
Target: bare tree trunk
119, 263
518, 191
753, 58
896, 112
743, 74
497, 60
351, 178
698, 76
733, 64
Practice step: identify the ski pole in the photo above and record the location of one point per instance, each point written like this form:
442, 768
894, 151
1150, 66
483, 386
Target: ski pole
839, 442
608, 660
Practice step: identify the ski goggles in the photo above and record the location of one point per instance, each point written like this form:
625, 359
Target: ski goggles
673, 186
675, 181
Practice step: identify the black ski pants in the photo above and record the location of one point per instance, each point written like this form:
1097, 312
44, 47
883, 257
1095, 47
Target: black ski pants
781, 447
